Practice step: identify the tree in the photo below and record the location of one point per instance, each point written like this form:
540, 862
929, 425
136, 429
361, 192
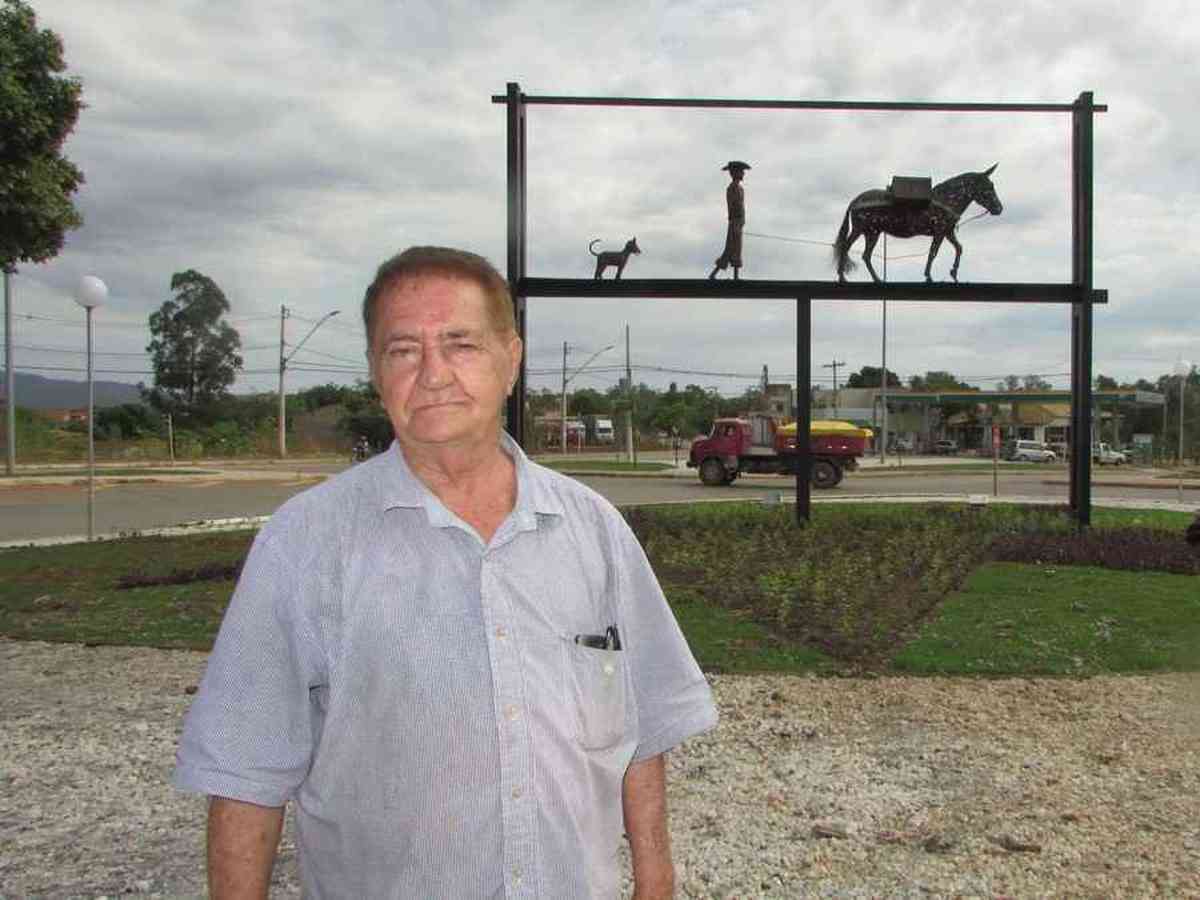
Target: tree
937, 381
1104, 383
869, 377
588, 402
194, 352
1035, 383
128, 421
38, 110
1010, 383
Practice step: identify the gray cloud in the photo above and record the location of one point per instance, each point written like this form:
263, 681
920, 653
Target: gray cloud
285, 149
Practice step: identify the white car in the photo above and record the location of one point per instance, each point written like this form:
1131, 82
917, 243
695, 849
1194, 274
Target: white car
1031, 451
1103, 454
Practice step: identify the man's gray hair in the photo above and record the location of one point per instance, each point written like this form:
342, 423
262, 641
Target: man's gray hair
447, 262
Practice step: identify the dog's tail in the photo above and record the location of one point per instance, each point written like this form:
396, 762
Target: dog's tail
593, 244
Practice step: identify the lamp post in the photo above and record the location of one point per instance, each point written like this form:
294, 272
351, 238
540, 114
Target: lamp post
567, 380
92, 292
1183, 369
284, 359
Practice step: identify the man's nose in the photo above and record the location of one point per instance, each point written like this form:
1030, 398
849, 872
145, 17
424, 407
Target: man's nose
435, 371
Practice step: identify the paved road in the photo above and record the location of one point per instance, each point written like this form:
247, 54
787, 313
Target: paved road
43, 511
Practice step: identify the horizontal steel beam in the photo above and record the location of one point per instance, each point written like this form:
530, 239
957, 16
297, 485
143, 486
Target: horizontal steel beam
749, 289
715, 103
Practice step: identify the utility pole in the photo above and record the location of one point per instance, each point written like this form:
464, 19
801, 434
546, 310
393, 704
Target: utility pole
284, 358
629, 402
834, 365
563, 422
283, 314
10, 378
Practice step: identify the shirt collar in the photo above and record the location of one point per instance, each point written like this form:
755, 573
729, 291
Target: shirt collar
399, 487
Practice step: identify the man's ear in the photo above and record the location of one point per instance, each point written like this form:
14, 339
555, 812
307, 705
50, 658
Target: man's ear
515, 349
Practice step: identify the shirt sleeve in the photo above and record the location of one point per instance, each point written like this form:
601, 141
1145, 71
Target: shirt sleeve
674, 701
249, 733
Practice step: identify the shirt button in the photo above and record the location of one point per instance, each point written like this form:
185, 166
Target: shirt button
608, 668
516, 876
501, 632
516, 793
511, 712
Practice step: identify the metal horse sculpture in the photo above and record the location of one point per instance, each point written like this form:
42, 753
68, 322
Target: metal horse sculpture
873, 212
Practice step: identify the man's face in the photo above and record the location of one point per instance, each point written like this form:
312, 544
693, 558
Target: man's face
441, 368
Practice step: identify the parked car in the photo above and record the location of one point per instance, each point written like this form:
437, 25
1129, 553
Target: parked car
902, 445
1104, 455
1029, 451
945, 447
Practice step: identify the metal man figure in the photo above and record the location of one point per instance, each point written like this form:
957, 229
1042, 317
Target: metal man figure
735, 200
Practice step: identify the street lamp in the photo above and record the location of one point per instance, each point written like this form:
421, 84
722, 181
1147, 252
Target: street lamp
1183, 369
567, 380
284, 359
90, 293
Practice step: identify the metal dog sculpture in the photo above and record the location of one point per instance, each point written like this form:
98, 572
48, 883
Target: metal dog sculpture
618, 258
873, 212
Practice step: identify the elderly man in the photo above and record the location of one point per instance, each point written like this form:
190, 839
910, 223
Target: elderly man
457, 664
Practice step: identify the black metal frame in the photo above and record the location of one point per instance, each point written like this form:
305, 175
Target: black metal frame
1079, 293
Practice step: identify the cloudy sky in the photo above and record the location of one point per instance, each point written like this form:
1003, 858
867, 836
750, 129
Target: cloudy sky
285, 148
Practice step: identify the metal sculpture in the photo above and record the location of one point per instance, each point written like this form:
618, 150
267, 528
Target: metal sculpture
903, 213
618, 258
735, 202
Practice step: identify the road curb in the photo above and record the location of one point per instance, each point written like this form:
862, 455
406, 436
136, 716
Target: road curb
200, 526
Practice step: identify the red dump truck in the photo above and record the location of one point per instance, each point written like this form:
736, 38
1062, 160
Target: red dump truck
762, 443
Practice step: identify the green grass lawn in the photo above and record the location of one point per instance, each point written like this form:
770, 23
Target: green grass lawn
70, 593
1012, 619
882, 587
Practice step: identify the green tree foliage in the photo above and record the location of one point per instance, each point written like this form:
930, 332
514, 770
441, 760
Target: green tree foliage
322, 395
870, 377
193, 350
938, 381
128, 422
1104, 383
38, 110
588, 402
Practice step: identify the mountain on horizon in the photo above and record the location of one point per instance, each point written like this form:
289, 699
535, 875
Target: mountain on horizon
39, 392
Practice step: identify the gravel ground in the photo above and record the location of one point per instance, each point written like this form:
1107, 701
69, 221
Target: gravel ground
884, 787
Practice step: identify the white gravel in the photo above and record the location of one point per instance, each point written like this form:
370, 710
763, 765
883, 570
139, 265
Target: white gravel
887, 787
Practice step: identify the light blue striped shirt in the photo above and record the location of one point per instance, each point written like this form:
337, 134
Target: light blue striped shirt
420, 697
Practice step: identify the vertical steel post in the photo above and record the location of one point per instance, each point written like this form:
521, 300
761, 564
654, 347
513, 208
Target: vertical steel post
517, 224
803, 410
1081, 310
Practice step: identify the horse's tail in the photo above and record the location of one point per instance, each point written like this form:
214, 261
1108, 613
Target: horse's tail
841, 250
593, 244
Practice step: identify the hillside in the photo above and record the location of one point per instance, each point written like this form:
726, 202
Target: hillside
38, 392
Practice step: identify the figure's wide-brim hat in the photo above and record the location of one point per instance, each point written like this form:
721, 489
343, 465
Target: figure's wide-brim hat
734, 164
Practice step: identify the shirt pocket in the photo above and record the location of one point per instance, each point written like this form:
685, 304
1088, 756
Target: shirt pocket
596, 693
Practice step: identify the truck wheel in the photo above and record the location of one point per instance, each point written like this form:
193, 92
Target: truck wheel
824, 474
712, 472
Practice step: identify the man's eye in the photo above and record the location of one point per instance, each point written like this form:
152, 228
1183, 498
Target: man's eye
465, 345
401, 352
